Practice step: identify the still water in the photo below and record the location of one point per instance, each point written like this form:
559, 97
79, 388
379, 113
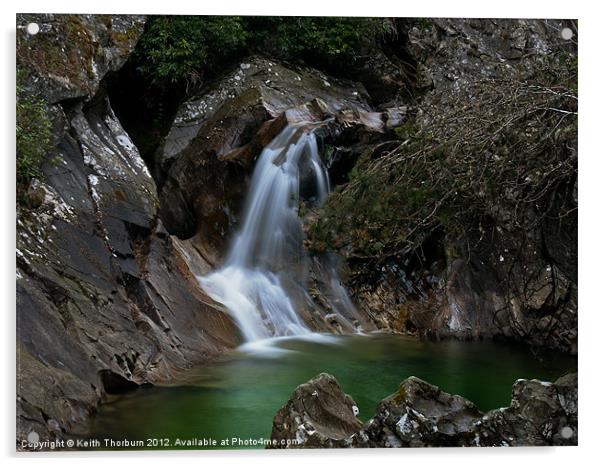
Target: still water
238, 396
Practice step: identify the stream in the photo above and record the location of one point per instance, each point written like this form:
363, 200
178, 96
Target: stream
262, 284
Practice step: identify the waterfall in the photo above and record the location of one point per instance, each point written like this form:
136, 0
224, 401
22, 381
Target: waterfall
266, 261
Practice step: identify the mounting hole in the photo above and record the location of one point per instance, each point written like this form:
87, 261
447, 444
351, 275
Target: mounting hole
566, 432
33, 437
566, 33
32, 28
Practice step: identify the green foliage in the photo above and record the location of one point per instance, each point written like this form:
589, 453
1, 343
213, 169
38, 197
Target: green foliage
187, 48
176, 48
325, 39
33, 136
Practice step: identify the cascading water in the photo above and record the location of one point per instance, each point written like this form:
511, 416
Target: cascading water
266, 261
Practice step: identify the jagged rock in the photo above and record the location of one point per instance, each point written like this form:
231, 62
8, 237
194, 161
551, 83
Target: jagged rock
422, 415
450, 52
278, 87
500, 280
319, 414
541, 413
71, 54
206, 158
105, 298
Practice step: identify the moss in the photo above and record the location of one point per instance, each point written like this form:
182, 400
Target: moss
65, 53
33, 131
125, 38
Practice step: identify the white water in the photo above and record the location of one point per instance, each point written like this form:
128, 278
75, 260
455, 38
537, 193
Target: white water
266, 261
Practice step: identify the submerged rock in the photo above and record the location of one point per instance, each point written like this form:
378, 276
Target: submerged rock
422, 415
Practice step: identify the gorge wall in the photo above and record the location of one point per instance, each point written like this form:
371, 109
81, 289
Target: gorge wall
110, 241
106, 298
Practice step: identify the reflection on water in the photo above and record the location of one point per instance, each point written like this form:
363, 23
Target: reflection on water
239, 396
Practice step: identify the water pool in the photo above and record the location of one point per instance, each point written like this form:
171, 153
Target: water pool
238, 396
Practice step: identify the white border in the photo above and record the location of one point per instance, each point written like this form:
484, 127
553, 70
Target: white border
590, 79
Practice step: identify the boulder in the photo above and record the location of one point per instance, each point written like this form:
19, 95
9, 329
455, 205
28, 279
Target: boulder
267, 83
540, 413
318, 415
422, 415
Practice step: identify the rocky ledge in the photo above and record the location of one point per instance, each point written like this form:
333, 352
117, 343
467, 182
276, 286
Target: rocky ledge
320, 415
106, 299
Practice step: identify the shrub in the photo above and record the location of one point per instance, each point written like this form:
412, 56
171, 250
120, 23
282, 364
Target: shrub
499, 148
33, 136
176, 48
188, 48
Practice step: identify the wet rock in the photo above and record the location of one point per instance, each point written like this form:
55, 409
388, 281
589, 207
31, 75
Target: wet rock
205, 161
541, 413
101, 288
318, 415
422, 415
278, 86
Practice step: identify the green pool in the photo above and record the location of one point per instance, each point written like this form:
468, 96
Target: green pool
238, 396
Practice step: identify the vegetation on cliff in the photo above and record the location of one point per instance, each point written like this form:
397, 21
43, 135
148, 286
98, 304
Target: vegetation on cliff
190, 48
462, 161
33, 135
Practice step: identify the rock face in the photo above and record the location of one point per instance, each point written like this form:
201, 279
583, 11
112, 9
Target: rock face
71, 54
204, 163
107, 254
421, 415
500, 281
106, 299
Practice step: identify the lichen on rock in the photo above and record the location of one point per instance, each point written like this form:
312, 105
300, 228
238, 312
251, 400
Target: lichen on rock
422, 415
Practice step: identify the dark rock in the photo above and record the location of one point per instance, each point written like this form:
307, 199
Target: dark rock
105, 299
318, 415
71, 54
421, 415
205, 161
279, 86
541, 413
450, 52
500, 280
